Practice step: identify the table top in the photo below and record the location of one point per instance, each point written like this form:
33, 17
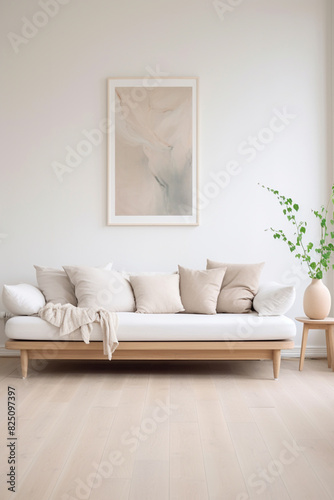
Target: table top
326, 321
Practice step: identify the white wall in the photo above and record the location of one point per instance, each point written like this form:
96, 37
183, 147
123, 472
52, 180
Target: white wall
258, 57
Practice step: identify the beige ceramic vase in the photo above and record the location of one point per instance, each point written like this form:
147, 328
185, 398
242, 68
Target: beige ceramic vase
317, 300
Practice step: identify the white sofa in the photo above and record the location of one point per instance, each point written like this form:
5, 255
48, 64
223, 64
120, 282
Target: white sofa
176, 334
160, 336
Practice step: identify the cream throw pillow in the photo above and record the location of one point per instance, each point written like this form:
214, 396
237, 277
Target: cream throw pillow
156, 294
274, 299
55, 285
101, 288
200, 289
240, 284
22, 299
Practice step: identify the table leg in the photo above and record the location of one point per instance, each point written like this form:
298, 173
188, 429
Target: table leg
331, 344
303, 348
328, 345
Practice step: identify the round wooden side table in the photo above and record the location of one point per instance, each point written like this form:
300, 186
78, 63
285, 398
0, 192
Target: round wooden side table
326, 324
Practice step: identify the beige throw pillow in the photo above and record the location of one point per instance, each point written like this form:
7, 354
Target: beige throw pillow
157, 293
101, 288
200, 289
240, 284
55, 285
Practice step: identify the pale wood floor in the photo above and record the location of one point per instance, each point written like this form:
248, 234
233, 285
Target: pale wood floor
205, 430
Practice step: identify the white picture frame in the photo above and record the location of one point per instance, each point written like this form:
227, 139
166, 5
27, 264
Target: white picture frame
152, 151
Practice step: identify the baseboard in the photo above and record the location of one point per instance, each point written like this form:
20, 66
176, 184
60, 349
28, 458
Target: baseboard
6, 353
311, 352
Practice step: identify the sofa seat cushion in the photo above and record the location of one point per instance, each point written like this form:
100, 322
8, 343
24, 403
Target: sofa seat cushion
164, 327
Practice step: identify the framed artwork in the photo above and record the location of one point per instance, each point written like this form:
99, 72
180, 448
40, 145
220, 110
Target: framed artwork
152, 151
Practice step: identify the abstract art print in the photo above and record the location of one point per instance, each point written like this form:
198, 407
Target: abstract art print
152, 151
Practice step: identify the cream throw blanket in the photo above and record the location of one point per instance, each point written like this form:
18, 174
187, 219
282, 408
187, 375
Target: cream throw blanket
70, 318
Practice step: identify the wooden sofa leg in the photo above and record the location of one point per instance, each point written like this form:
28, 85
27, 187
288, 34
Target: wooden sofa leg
24, 363
276, 362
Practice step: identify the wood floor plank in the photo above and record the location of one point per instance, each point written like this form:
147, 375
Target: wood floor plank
158, 388
82, 464
35, 418
321, 384
185, 487
65, 422
293, 415
316, 408
223, 473
126, 434
298, 476
9, 366
32, 434
154, 431
132, 394
187, 471
232, 400
320, 455
154, 426
111, 488
203, 388
256, 393
111, 390
181, 396
150, 480
256, 463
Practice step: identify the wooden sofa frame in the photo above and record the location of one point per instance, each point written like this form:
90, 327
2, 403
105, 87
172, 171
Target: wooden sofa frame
176, 350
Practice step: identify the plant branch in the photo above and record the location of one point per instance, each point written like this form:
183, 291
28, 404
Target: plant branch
323, 252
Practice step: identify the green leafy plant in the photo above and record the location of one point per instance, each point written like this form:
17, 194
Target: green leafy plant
317, 257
